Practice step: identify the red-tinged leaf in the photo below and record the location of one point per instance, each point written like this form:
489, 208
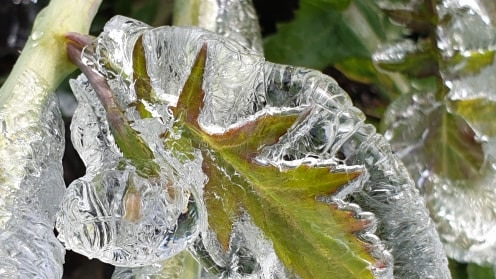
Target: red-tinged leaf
313, 239
191, 98
126, 138
246, 140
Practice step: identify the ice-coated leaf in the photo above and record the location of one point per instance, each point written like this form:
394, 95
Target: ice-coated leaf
479, 113
277, 200
286, 155
431, 139
450, 148
409, 60
442, 131
127, 139
144, 91
468, 63
133, 207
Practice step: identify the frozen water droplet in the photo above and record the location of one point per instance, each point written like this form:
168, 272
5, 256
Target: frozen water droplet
36, 35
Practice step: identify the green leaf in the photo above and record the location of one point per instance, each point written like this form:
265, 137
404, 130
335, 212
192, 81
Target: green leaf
322, 241
479, 272
450, 146
318, 36
418, 64
142, 85
458, 270
465, 64
479, 113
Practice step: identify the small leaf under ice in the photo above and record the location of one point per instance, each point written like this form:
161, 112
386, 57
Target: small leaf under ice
126, 138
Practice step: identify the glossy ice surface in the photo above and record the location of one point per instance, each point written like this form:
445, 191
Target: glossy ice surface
31, 184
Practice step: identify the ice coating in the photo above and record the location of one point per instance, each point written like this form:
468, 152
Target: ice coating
233, 19
338, 134
115, 214
238, 85
31, 183
469, 235
465, 29
237, 20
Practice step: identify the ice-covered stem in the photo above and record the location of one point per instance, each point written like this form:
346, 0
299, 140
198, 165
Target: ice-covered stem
127, 139
32, 143
234, 19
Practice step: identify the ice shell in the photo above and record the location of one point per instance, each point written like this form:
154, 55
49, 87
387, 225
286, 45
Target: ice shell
126, 220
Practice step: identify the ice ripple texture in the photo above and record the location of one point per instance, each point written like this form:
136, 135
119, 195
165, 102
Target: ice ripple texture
31, 183
238, 84
113, 213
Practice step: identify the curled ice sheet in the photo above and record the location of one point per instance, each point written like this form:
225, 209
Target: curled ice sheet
239, 86
31, 183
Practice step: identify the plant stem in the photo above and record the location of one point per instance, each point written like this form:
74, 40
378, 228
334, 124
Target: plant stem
44, 53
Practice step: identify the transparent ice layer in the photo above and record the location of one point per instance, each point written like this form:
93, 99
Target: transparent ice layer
31, 183
464, 28
238, 85
462, 209
113, 213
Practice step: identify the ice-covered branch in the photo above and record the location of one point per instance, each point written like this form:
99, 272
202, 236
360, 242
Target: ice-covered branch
32, 143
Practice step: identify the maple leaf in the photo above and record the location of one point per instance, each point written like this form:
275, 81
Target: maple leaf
313, 239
